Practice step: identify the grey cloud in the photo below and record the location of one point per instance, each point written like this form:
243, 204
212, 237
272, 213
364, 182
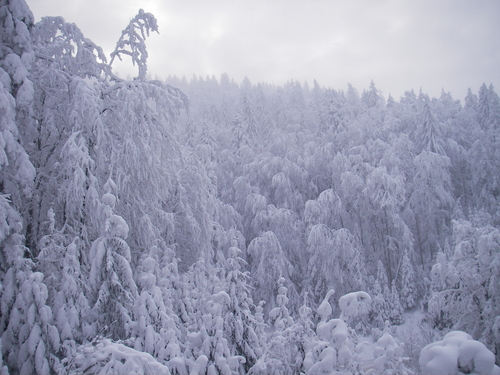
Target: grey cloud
401, 45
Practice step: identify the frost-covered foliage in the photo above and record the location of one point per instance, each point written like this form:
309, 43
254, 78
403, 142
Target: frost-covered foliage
332, 351
388, 356
107, 357
286, 348
141, 219
31, 342
113, 289
465, 294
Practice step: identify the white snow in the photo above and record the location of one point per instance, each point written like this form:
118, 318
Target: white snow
457, 353
116, 226
349, 303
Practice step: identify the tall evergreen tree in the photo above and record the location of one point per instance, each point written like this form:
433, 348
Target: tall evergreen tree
113, 289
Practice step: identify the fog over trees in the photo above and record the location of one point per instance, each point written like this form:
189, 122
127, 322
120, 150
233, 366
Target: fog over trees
203, 226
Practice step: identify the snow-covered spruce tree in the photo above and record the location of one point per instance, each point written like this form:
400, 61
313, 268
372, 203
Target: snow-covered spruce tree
335, 259
288, 228
388, 356
408, 281
333, 114
484, 154
288, 343
431, 196
396, 309
67, 289
16, 95
113, 291
281, 354
16, 187
12, 250
267, 262
207, 350
150, 311
385, 191
465, 294
372, 98
30, 341
239, 321
16, 170
3, 368
430, 132
67, 106
381, 294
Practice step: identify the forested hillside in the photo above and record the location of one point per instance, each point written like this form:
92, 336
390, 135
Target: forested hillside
204, 226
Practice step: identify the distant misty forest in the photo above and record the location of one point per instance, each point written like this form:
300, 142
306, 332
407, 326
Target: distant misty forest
199, 225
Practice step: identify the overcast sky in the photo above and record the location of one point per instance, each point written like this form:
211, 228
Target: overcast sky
400, 44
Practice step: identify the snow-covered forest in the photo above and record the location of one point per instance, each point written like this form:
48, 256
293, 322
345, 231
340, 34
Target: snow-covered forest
204, 226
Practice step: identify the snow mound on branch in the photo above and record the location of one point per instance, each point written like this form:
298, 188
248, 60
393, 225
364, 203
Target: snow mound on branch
325, 309
457, 353
349, 303
116, 226
109, 199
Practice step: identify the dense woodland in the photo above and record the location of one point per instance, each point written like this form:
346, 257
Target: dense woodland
204, 226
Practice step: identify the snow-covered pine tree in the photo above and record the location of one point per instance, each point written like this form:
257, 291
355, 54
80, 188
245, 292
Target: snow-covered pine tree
388, 356
268, 262
280, 356
207, 350
408, 282
332, 350
396, 309
17, 56
239, 322
465, 286
30, 340
67, 290
3, 368
372, 98
150, 311
113, 291
67, 108
16, 94
380, 311
335, 259
16, 172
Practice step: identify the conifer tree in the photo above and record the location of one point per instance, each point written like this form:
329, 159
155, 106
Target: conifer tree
17, 173
30, 339
239, 321
408, 282
67, 291
150, 311
113, 289
281, 354
388, 356
381, 298
3, 368
267, 264
396, 309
